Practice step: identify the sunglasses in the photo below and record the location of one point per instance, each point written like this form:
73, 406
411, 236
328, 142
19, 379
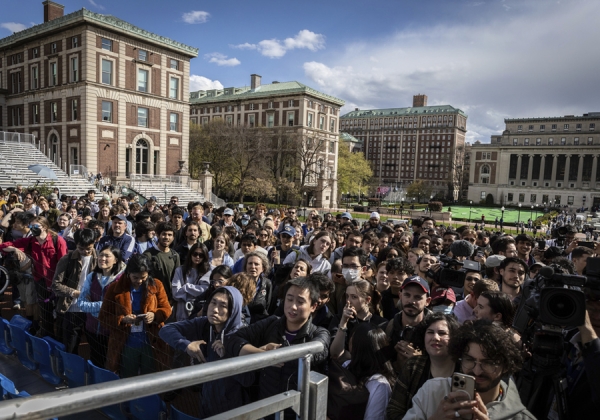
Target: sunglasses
197, 254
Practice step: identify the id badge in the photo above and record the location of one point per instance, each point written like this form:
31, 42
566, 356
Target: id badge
137, 328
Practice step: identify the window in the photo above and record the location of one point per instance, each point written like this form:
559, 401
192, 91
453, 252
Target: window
331, 147
270, 105
533, 198
482, 195
74, 69
550, 141
530, 128
251, 120
270, 120
174, 64
542, 127
53, 48
576, 141
566, 127
53, 112
74, 109
36, 52
107, 72
557, 200
173, 88
563, 141
107, 44
290, 118
142, 55
53, 74
332, 125
310, 120
229, 119
570, 200
204, 120
578, 127
521, 198
173, 119
519, 128
515, 142
538, 142
291, 103
553, 127
142, 117
107, 111
35, 77
509, 197
251, 107
142, 80
75, 42
590, 140
592, 126
74, 156
35, 114
321, 122
526, 143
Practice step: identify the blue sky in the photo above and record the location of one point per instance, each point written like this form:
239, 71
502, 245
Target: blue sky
494, 59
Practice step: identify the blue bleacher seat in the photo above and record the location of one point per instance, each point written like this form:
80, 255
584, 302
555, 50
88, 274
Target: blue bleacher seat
178, 415
21, 322
6, 386
148, 408
75, 369
5, 347
45, 353
21, 342
97, 376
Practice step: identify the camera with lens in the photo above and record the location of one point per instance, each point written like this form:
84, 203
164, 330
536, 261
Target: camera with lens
453, 272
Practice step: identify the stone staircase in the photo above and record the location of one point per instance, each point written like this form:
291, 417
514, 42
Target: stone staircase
18, 151
164, 187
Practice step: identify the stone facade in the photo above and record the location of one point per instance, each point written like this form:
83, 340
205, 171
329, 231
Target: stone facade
99, 92
540, 161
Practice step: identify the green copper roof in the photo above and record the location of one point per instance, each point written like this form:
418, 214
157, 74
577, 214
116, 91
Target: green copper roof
419, 110
107, 21
263, 91
347, 137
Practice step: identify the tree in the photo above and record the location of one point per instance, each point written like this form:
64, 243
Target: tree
354, 171
419, 190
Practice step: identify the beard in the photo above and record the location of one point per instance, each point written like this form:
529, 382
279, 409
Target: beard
490, 385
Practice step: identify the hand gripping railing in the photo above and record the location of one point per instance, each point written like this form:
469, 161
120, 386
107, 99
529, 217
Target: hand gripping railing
77, 400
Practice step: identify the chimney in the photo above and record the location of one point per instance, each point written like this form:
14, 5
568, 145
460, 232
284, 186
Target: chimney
357, 109
52, 10
254, 81
419, 100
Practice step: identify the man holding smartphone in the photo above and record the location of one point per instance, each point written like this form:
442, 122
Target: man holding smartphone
487, 355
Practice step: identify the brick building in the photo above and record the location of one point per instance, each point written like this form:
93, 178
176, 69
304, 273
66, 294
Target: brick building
289, 106
539, 161
99, 92
415, 143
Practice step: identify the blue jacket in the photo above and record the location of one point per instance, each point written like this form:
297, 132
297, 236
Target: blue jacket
222, 394
125, 243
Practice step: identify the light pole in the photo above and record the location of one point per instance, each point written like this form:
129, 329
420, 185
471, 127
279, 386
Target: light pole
347, 199
402, 208
502, 218
519, 222
470, 205
430, 200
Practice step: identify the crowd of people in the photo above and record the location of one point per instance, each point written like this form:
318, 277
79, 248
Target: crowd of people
153, 287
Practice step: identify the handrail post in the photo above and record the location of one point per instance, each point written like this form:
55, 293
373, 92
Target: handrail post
304, 384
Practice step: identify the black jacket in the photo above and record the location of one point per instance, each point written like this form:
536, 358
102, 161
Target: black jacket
274, 380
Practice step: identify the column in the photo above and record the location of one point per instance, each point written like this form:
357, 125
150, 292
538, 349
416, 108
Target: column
518, 176
580, 172
530, 171
542, 169
594, 169
554, 167
567, 168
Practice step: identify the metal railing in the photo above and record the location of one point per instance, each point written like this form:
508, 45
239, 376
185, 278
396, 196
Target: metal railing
91, 397
17, 137
78, 171
156, 178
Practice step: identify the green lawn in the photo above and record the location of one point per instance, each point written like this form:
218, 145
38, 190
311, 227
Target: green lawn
510, 215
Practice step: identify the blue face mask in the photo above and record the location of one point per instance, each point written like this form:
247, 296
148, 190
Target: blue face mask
443, 309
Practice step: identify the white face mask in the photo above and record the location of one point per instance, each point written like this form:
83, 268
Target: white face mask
350, 274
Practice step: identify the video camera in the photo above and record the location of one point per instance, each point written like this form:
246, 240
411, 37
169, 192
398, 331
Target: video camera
560, 235
453, 272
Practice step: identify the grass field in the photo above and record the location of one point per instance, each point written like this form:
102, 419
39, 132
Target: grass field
510, 215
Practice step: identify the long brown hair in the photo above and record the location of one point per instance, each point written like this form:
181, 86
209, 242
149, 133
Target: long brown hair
45, 224
245, 284
311, 248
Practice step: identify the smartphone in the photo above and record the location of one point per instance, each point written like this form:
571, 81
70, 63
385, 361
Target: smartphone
587, 244
465, 384
139, 319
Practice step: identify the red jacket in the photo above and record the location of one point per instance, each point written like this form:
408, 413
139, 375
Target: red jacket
43, 256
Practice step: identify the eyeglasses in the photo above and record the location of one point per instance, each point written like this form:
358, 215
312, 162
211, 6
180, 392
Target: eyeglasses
351, 267
487, 365
470, 239
198, 254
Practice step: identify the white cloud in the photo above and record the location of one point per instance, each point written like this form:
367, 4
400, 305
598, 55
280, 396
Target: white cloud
275, 48
203, 83
195, 16
96, 5
13, 26
514, 65
222, 60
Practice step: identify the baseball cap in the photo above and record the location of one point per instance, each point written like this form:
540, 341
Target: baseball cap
119, 216
374, 215
442, 293
494, 260
288, 230
228, 212
416, 280
346, 215
245, 217
53, 196
540, 264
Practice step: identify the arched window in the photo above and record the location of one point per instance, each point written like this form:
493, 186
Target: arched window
142, 152
485, 174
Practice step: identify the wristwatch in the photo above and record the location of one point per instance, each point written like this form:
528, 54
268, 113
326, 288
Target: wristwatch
345, 329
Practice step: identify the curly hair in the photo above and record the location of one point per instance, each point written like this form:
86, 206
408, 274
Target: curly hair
496, 343
401, 265
245, 284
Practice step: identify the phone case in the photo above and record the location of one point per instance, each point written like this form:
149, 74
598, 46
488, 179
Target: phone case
464, 383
